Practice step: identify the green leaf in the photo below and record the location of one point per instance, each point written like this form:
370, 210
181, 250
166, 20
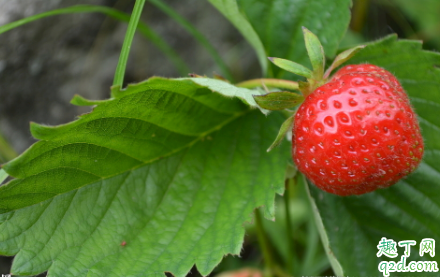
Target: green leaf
3, 175
158, 179
315, 52
278, 23
409, 210
279, 100
293, 67
342, 58
229, 90
230, 10
285, 127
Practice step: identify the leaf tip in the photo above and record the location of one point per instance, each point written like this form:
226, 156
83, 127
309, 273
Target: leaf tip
305, 30
78, 100
270, 58
39, 131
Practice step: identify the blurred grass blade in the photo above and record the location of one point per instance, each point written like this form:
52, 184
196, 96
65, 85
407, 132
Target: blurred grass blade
197, 35
3, 175
118, 79
115, 14
7, 153
230, 9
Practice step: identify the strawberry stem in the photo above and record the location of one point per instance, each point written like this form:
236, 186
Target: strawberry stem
272, 83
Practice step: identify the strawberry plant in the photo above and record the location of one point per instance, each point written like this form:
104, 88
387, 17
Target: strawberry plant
170, 174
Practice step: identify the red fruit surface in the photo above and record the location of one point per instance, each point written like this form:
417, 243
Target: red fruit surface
357, 133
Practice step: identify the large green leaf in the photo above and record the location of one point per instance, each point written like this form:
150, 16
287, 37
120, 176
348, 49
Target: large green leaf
410, 210
159, 178
278, 24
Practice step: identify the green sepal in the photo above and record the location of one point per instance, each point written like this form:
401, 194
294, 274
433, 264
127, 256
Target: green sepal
279, 100
316, 53
293, 67
285, 127
342, 58
304, 87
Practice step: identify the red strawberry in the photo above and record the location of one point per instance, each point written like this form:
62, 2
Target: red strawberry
357, 132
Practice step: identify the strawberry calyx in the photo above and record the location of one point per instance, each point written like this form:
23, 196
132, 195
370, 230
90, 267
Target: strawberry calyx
315, 78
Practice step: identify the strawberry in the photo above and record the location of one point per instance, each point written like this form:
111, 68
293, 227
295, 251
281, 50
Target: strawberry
357, 132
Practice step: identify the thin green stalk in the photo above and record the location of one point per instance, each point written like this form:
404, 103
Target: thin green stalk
359, 11
291, 243
113, 13
129, 35
264, 243
197, 35
272, 83
312, 245
7, 153
3, 175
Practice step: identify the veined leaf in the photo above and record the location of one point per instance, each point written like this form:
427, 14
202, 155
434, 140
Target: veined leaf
158, 179
409, 210
278, 24
230, 90
278, 100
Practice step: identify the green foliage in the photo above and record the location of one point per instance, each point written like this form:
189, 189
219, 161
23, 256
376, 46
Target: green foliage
408, 210
229, 90
315, 53
158, 179
166, 173
293, 67
230, 10
278, 100
278, 24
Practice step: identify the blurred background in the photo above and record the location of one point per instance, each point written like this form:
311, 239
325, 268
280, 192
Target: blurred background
45, 63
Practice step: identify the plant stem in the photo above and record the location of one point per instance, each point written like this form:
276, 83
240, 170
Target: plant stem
360, 9
273, 83
7, 153
125, 51
264, 243
291, 243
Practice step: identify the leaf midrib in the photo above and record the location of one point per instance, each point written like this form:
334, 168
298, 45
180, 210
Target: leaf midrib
197, 139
